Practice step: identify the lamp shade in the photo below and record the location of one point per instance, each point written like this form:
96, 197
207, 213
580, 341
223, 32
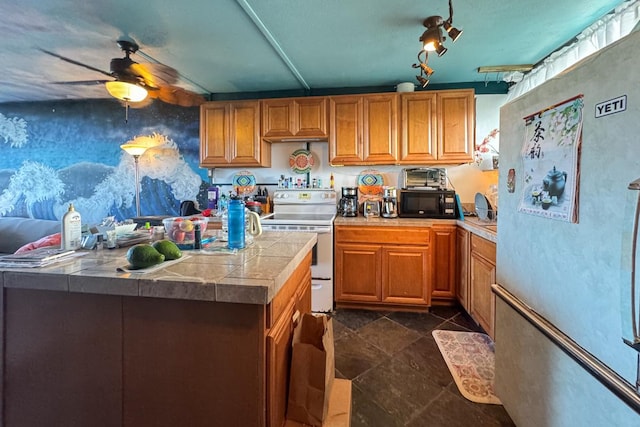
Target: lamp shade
134, 149
126, 91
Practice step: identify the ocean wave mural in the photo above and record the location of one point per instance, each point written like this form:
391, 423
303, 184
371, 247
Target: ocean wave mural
82, 163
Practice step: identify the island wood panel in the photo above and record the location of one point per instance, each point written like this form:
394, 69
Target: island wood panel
405, 274
279, 339
62, 359
193, 363
279, 351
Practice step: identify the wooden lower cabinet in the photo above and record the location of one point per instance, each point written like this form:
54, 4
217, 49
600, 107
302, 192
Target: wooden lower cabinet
405, 275
383, 266
462, 267
482, 301
444, 264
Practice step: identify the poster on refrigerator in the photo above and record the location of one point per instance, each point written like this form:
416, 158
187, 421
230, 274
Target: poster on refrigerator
550, 155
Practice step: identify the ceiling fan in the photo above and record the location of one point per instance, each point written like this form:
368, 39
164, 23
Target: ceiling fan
132, 82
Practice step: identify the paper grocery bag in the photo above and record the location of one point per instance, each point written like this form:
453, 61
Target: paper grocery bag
312, 370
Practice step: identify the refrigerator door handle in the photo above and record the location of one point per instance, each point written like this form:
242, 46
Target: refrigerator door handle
635, 343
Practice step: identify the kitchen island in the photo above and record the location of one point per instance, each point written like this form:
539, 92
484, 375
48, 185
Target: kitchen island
203, 341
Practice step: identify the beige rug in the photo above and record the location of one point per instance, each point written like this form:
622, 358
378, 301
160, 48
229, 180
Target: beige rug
471, 360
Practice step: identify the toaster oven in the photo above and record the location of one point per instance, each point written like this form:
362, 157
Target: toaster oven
423, 179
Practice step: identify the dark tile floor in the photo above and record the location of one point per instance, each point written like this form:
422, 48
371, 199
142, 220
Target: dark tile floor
399, 377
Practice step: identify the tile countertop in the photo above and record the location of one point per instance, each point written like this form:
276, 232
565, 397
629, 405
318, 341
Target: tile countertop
485, 229
253, 275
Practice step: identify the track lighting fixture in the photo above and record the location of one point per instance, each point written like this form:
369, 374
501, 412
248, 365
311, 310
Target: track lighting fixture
425, 70
432, 39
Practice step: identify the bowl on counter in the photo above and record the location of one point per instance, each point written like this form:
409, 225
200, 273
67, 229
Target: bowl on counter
181, 230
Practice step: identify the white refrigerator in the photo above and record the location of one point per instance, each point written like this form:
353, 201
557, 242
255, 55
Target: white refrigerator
575, 278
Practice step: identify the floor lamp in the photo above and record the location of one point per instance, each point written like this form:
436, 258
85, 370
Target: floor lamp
136, 150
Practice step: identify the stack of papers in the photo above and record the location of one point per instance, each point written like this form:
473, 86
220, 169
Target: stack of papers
36, 258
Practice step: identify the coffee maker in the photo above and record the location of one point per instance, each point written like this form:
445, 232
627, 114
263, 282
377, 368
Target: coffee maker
349, 202
389, 203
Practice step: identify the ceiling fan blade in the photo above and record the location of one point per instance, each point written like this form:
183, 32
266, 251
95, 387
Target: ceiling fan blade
177, 96
74, 62
82, 82
155, 75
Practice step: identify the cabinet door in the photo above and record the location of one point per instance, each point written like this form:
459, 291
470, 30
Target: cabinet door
278, 365
406, 275
214, 134
230, 135
345, 137
311, 117
462, 267
418, 128
287, 118
456, 115
444, 263
380, 143
278, 118
358, 271
246, 144
483, 275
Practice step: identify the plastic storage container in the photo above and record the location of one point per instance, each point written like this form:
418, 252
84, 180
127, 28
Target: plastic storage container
181, 230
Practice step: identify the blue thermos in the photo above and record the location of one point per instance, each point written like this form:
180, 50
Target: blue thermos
236, 224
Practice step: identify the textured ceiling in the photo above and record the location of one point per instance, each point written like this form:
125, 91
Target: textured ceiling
229, 46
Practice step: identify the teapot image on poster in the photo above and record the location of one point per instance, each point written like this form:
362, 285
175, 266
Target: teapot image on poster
554, 182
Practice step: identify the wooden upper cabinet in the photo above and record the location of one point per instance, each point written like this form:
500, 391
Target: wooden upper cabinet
363, 129
437, 127
345, 135
230, 135
418, 140
380, 143
294, 118
456, 125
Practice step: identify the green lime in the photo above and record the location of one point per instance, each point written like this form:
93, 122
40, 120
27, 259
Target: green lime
143, 256
167, 248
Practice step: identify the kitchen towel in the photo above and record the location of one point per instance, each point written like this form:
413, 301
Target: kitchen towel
470, 358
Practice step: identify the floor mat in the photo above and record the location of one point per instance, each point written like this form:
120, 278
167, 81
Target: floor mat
471, 360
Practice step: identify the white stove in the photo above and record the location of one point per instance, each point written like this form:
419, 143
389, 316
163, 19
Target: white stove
311, 211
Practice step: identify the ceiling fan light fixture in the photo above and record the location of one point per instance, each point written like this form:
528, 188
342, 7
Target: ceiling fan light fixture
125, 91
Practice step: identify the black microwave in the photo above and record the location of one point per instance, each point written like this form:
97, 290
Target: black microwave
437, 204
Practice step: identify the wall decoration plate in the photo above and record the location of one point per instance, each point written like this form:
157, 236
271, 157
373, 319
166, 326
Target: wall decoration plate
301, 161
244, 182
370, 183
